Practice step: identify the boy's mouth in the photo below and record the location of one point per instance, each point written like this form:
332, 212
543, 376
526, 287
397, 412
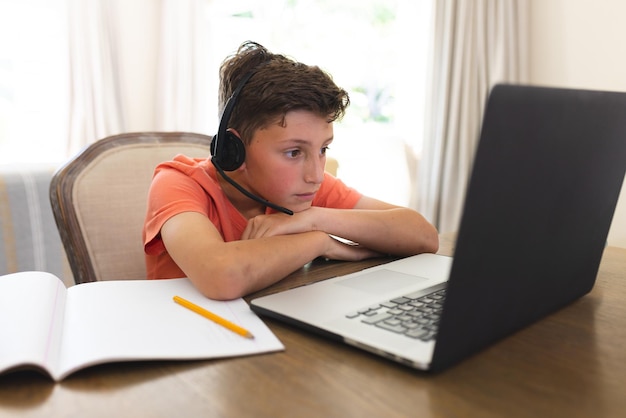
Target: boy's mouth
306, 196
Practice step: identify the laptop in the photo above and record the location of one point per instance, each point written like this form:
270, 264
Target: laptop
546, 177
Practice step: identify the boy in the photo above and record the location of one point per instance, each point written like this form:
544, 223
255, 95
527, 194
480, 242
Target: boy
201, 222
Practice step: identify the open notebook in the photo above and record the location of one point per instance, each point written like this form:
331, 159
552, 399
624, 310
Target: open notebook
59, 331
545, 182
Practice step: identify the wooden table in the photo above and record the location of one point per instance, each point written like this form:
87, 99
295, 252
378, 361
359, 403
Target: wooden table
571, 364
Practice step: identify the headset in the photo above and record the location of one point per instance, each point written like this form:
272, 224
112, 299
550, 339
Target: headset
228, 151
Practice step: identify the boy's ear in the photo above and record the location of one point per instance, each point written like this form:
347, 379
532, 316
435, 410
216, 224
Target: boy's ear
234, 132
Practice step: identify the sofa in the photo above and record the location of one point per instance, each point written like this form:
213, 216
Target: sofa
29, 239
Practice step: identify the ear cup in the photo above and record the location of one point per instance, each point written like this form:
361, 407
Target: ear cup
226, 147
229, 153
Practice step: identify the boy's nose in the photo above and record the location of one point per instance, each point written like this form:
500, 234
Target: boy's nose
314, 171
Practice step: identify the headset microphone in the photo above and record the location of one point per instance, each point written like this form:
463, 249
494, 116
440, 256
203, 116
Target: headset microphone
228, 151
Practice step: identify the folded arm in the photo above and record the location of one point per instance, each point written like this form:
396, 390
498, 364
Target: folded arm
227, 270
374, 224
273, 246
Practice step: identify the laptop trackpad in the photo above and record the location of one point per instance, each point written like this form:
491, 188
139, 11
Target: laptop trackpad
381, 281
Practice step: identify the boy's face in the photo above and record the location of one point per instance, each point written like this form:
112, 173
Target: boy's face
285, 164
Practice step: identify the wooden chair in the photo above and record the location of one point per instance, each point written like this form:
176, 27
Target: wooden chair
99, 200
332, 166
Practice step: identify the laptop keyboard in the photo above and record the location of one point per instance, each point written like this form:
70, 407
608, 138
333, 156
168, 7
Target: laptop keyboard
415, 315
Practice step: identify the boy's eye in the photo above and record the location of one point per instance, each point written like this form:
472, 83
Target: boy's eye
293, 153
324, 150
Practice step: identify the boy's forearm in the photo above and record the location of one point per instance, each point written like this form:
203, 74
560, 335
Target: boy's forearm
250, 265
397, 231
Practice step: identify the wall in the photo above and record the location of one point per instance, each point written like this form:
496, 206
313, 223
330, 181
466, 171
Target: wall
580, 43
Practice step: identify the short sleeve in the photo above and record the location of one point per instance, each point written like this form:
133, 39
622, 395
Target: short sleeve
171, 192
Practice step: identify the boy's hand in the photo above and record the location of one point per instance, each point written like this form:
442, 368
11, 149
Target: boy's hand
282, 224
277, 224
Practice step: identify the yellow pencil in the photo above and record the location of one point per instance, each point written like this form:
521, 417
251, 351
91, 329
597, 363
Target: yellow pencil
213, 317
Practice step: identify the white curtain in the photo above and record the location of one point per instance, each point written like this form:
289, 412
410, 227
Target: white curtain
95, 105
477, 43
182, 74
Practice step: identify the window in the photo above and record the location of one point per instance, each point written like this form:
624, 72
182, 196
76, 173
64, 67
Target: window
33, 81
375, 49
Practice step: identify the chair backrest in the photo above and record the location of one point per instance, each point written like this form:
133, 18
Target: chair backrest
99, 200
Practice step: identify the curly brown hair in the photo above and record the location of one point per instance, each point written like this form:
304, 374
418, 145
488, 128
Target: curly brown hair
279, 85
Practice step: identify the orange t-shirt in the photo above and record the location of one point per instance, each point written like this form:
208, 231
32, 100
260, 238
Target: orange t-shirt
190, 185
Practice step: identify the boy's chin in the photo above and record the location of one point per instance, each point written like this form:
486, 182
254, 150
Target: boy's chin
299, 208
